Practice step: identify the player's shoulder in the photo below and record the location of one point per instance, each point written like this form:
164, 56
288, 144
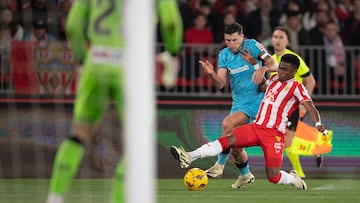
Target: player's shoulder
250, 42
225, 51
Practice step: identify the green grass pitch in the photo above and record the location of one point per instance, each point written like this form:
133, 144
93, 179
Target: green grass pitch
173, 191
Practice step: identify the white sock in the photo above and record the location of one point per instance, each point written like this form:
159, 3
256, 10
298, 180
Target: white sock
208, 149
286, 178
54, 198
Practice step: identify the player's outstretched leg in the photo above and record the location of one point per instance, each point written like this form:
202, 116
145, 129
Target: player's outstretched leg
300, 183
285, 178
66, 165
181, 155
209, 149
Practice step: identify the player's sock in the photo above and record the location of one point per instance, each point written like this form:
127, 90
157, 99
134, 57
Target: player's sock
206, 150
295, 162
223, 157
117, 192
66, 164
286, 178
243, 168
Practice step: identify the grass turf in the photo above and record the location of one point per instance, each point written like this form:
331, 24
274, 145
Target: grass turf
173, 191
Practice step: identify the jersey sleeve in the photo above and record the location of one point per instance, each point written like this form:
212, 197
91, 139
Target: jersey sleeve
221, 59
259, 51
303, 68
75, 27
171, 25
301, 93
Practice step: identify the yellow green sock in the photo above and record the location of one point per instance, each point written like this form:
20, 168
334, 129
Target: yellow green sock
117, 192
295, 162
66, 165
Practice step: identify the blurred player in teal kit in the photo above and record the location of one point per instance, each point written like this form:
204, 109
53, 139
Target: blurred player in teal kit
234, 62
99, 23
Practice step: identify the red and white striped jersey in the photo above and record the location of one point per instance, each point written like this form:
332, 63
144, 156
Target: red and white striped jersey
280, 100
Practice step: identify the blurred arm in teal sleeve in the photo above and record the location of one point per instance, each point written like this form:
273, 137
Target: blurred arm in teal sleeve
76, 28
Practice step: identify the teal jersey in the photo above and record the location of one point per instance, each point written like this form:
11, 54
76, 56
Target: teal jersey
96, 21
245, 93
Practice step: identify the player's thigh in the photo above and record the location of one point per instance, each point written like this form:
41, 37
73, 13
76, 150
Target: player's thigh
233, 120
272, 144
92, 98
245, 136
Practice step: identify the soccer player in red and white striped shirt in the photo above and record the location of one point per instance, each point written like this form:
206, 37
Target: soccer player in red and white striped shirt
282, 97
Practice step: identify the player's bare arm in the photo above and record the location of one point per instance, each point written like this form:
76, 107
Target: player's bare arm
269, 65
246, 55
314, 115
218, 77
309, 83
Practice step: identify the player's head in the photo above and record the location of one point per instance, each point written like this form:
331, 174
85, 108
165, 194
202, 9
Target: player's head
234, 36
280, 38
288, 66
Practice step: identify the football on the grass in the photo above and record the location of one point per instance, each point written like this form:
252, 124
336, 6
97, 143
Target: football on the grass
196, 179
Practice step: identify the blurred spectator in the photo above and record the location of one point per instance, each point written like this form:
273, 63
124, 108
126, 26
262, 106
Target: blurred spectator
310, 19
40, 10
228, 19
291, 5
260, 23
64, 8
9, 31
343, 11
351, 31
186, 13
205, 8
220, 6
335, 53
251, 5
317, 32
297, 34
195, 37
12, 5
38, 33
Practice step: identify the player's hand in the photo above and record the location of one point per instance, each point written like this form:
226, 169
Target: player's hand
246, 55
258, 76
322, 128
207, 66
171, 67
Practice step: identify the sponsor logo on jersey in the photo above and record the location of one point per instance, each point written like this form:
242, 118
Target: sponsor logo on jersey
239, 69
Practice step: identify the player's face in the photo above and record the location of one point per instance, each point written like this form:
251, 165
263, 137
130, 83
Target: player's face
279, 40
234, 41
286, 71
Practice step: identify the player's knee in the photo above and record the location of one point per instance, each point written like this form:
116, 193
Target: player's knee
236, 152
226, 127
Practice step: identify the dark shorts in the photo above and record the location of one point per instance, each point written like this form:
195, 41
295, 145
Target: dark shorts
293, 120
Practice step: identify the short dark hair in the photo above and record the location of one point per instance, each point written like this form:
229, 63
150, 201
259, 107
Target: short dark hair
233, 28
292, 59
282, 28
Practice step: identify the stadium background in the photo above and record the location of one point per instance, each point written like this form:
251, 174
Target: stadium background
30, 132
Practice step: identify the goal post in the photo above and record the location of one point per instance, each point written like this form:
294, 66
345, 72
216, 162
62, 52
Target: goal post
139, 118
